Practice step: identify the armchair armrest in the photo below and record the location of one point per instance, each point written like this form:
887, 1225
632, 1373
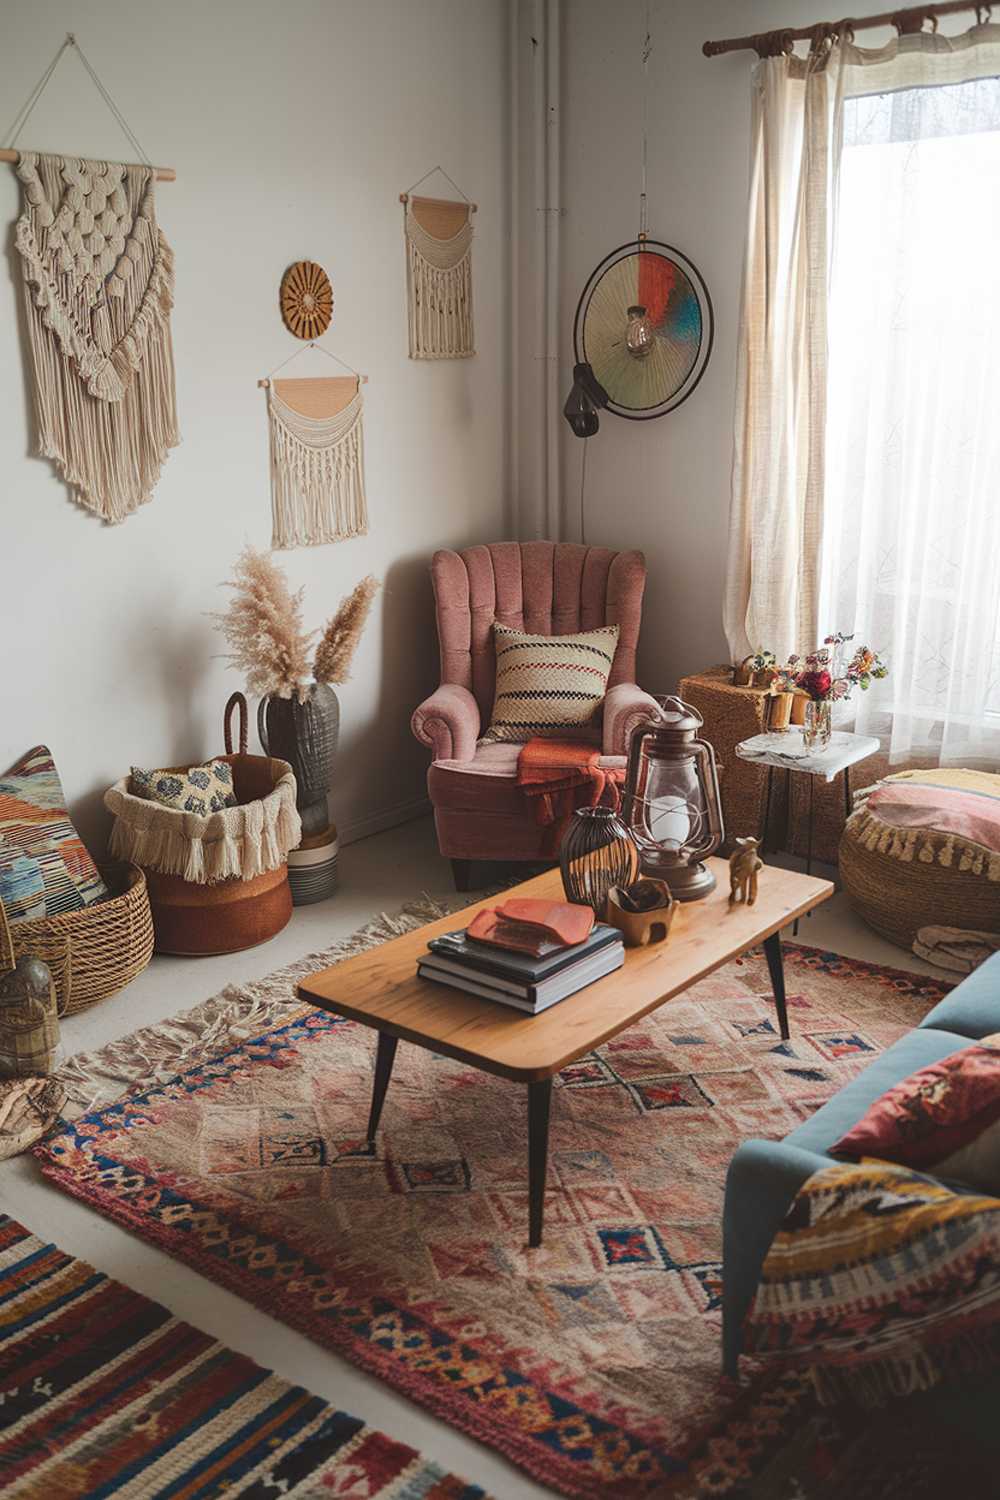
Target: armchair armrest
625, 706
448, 721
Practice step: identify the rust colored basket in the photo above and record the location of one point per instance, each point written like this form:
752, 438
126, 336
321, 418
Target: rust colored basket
195, 920
97, 950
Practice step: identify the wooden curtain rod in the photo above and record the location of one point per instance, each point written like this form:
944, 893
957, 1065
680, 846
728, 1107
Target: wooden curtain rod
162, 174
906, 22
439, 202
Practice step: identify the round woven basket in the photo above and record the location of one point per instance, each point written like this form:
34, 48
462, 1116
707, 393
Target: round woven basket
899, 896
97, 950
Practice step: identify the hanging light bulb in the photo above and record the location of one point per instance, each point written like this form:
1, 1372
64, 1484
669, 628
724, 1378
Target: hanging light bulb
639, 332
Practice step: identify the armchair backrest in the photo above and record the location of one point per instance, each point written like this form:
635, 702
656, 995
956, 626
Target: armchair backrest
547, 588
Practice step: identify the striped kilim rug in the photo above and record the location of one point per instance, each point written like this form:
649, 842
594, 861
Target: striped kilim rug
104, 1393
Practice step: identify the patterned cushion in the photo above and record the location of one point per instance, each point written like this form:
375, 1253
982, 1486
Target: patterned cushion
44, 867
201, 789
944, 1118
547, 682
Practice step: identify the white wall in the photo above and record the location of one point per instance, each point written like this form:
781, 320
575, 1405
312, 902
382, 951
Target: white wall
293, 127
663, 485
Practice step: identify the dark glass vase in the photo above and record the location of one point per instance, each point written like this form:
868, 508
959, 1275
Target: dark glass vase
597, 853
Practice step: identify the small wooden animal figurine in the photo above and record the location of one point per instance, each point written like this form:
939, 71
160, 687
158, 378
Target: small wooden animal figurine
745, 865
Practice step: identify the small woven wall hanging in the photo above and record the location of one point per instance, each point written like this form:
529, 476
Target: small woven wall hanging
317, 459
438, 234
306, 300
98, 290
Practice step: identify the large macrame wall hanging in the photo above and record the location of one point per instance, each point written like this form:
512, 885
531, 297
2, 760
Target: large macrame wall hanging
98, 286
438, 234
317, 459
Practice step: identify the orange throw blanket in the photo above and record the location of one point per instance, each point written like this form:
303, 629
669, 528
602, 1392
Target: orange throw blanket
559, 776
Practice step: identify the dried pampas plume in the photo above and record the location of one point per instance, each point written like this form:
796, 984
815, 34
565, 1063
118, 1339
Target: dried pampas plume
263, 627
339, 641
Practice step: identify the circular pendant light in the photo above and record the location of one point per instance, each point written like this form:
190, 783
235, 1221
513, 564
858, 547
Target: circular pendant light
644, 325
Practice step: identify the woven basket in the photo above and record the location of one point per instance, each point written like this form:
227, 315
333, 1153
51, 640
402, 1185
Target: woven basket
899, 896
97, 950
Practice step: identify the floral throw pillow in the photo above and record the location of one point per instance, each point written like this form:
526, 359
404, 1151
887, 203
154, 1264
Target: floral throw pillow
44, 868
200, 789
943, 1119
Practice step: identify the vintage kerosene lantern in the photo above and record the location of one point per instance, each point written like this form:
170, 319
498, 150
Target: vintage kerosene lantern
671, 801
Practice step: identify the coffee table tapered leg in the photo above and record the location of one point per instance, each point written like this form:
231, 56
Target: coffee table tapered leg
384, 1059
539, 1099
776, 969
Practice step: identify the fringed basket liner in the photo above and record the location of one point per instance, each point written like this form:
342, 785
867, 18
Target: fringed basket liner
902, 879
239, 843
97, 950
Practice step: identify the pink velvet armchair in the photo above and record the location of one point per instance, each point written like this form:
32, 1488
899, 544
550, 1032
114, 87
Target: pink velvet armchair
550, 588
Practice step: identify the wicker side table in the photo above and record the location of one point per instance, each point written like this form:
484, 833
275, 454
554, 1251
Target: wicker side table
733, 714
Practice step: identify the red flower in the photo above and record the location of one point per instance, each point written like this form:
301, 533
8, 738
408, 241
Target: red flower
816, 684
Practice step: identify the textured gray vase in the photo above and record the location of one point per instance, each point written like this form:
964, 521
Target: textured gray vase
306, 735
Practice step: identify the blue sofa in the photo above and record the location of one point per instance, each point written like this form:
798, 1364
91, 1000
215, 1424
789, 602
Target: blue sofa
764, 1176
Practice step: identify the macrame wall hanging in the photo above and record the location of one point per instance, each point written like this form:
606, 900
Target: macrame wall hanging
438, 233
317, 457
98, 289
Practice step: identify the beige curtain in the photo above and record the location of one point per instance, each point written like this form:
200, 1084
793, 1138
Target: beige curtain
777, 498
780, 469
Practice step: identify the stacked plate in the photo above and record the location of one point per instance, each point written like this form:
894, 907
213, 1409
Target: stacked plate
312, 867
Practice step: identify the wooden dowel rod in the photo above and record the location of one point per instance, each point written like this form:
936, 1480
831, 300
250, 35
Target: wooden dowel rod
440, 202
265, 384
771, 43
162, 174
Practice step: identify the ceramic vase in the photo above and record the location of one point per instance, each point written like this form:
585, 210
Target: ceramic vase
306, 735
817, 725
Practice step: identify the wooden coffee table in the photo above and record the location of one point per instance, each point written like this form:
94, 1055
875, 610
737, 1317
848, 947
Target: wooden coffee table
381, 989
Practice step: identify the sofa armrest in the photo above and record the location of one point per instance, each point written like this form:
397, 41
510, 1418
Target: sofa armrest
763, 1179
448, 721
625, 706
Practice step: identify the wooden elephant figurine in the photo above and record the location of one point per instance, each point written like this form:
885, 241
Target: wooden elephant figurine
745, 865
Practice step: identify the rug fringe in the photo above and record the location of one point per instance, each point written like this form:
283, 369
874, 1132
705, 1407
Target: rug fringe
155, 1054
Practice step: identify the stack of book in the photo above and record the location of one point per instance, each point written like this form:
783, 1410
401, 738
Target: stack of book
526, 981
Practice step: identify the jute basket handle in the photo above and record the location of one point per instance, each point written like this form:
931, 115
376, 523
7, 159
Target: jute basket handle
7, 959
237, 701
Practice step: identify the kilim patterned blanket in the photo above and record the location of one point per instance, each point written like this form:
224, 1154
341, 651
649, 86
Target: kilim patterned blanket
882, 1282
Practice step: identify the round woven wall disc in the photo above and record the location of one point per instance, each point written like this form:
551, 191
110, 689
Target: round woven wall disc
306, 300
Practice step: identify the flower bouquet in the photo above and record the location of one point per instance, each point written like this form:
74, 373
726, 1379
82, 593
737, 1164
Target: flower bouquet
824, 677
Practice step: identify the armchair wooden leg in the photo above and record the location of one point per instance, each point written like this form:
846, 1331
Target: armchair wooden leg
461, 870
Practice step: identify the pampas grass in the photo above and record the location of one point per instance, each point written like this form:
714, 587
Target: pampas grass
264, 630
339, 640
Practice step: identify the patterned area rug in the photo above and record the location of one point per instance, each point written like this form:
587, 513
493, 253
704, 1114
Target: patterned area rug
592, 1361
102, 1392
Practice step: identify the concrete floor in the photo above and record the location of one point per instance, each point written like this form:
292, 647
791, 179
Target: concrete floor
378, 874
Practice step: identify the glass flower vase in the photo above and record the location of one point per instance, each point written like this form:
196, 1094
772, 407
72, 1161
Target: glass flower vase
817, 725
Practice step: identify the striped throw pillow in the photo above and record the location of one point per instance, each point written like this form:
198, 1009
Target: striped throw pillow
549, 683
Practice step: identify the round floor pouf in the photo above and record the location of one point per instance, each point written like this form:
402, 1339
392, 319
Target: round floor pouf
194, 921
312, 867
922, 849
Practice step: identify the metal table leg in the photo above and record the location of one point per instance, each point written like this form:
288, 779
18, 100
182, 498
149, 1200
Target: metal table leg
809, 845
